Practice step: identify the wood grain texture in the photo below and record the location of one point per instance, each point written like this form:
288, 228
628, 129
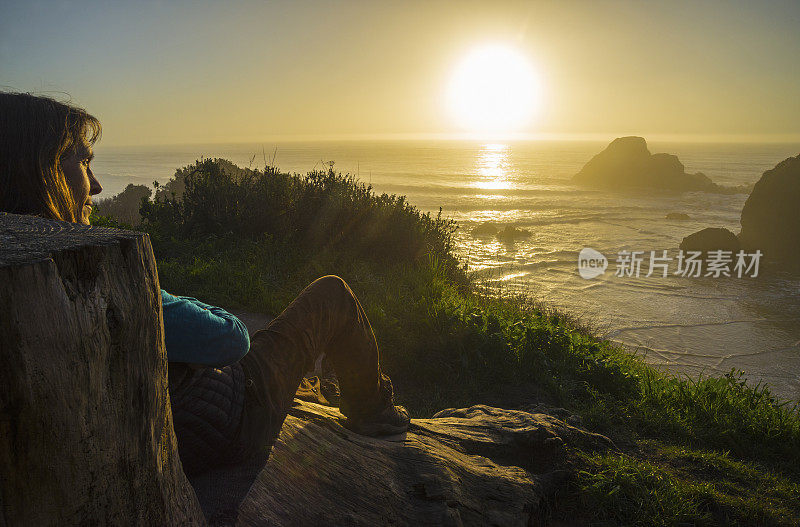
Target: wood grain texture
470, 466
86, 431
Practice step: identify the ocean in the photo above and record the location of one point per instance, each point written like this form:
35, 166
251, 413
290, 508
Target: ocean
688, 325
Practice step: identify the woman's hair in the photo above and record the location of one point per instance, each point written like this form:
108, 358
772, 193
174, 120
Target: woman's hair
35, 134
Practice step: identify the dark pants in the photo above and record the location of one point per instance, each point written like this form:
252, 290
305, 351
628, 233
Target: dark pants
325, 318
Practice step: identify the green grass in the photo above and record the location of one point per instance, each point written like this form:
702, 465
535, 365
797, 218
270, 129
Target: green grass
662, 484
253, 239
620, 490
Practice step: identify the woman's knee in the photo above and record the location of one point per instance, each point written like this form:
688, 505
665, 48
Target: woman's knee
330, 284
332, 291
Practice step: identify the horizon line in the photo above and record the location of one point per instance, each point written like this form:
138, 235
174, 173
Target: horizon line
473, 137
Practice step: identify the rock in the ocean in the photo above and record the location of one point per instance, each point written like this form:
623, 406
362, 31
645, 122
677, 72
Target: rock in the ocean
511, 233
711, 239
485, 229
677, 216
771, 214
627, 163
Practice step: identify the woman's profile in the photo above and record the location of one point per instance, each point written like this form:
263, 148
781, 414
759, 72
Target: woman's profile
230, 392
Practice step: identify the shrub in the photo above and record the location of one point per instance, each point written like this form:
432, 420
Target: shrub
323, 211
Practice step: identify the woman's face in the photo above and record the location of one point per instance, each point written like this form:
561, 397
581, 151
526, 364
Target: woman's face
81, 183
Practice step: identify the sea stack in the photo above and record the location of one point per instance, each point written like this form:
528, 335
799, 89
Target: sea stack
771, 215
627, 163
711, 239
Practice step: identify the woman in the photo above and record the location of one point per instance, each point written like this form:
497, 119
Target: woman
230, 393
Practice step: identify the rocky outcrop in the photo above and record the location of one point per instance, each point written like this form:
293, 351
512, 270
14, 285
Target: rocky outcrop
510, 234
771, 215
677, 216
469, 466
711, 239
485, 229
506, 234
626, 163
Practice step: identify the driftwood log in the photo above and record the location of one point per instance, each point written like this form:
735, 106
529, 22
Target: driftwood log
471, 466
86, 431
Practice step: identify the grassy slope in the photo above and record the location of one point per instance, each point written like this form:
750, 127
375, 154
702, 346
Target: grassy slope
715, 451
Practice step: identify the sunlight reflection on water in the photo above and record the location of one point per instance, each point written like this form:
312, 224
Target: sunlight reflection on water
493, 168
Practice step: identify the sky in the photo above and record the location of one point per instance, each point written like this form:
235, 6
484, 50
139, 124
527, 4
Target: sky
163, 72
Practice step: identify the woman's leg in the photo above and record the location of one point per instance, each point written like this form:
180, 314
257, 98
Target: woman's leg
325, 318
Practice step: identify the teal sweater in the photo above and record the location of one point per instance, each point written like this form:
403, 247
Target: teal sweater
198, 333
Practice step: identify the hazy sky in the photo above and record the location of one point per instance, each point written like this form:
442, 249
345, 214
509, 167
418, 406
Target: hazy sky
180, 72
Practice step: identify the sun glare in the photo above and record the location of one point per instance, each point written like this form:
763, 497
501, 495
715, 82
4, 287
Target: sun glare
493, 90
493, 163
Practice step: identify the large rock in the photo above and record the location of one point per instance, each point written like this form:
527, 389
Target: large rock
627, 163
711, 239
86, 433
470, 466
771, 214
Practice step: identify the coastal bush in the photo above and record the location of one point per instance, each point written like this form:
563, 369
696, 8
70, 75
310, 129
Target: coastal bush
124, 207
323, 211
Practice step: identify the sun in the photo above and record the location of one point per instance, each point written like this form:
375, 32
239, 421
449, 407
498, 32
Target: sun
493, 90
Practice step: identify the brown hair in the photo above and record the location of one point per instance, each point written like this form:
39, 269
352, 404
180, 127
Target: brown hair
35, 134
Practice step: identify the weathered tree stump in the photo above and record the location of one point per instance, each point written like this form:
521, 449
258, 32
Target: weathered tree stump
86, 431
